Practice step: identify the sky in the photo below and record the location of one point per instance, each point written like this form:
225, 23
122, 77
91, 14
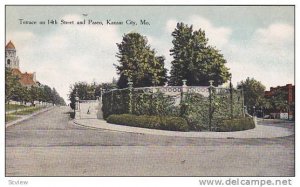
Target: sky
256, 41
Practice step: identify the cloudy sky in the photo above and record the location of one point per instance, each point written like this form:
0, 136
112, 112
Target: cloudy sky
256, 41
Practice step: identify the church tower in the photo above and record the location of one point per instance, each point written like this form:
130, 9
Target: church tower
11, 60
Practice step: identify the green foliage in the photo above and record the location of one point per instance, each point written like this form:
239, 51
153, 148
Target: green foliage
27, 111
152, 122
139, 62
195, 109
9, 117
199, 113
174, 124
12, 84
15, 91
194, 60
149, 103
279, 100
222, 103
10, 107
115, 102
56, 99
87, 91
143, 103
253, 93
237, 124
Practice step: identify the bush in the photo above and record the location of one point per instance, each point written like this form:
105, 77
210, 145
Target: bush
72, 115
237, 124
151, 122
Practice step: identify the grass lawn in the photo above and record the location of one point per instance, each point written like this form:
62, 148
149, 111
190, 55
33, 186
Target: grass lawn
27, 111
9, 107
10, 117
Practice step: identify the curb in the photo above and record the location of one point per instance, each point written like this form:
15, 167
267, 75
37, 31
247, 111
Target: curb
99, 128
260, 131
27, 117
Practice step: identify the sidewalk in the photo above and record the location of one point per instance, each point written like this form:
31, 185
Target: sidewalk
25, 117
260, 131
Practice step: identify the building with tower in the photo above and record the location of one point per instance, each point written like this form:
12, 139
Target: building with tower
12, 62
11, 59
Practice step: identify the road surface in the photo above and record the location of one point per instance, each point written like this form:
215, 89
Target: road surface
50, 144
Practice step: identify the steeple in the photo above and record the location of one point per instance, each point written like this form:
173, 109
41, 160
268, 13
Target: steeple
11, 59
10, 45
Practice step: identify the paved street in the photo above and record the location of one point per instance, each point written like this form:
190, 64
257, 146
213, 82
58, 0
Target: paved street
50, 144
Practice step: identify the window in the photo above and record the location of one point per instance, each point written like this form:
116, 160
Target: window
8, 61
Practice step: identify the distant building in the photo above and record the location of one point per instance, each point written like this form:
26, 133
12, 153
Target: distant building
12, 62
289, 89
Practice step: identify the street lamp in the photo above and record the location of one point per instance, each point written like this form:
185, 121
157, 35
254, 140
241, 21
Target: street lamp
254, 111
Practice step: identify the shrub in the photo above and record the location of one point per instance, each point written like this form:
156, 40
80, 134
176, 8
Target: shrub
72, 115
175, 124
200, 111
151, 122
237, 124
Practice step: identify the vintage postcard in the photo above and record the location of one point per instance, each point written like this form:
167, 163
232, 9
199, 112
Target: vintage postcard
158, 90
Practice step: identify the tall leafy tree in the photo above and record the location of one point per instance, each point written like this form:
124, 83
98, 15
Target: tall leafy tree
34, 94
47, 94
194, 60
12, 84
253, 93
56, 99
279, 101
86, 91
139, 62
15, 91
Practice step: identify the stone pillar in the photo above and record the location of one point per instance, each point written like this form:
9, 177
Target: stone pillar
99, 107
210, 103
184, 86
130, 87
184, 89
76, 109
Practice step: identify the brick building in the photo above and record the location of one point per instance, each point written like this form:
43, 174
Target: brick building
289, 94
